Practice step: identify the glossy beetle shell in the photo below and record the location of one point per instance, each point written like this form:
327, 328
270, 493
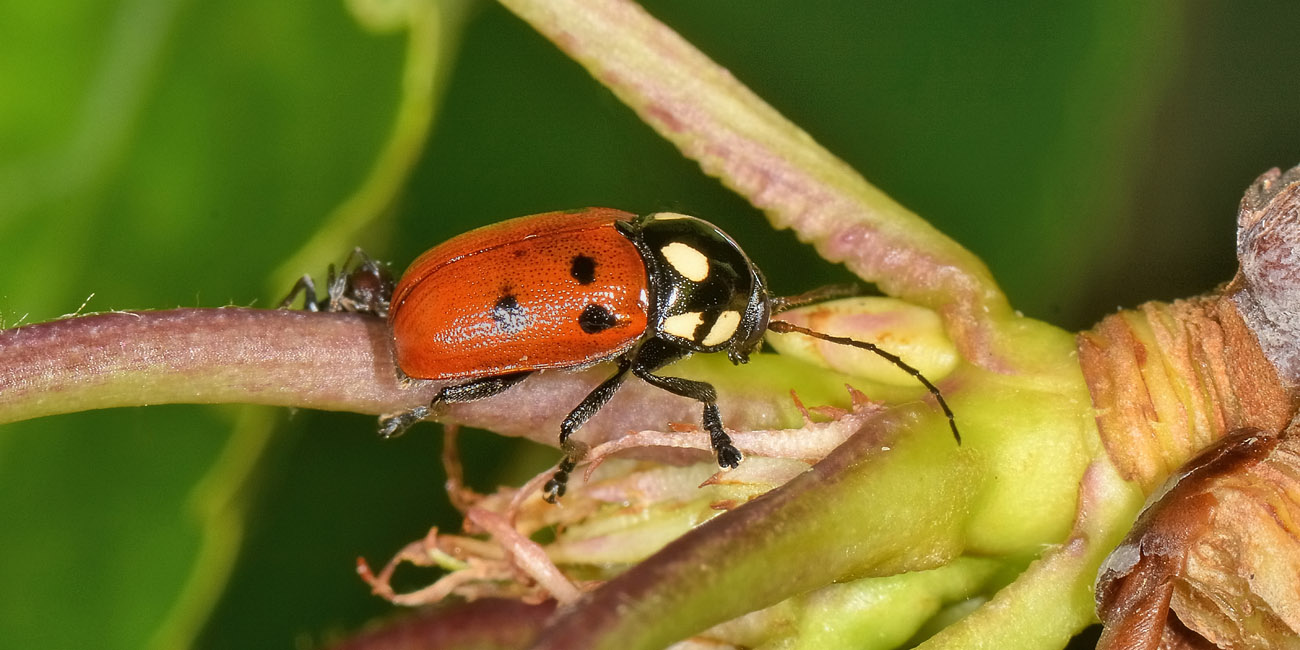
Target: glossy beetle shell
559, 289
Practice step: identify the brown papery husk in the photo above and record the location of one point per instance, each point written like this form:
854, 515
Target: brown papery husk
1168, 379
1218, 548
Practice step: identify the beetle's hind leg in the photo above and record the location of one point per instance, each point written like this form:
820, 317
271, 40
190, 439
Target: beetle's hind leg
470, 391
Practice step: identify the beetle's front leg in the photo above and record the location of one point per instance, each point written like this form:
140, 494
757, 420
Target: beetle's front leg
594, 400
728, 455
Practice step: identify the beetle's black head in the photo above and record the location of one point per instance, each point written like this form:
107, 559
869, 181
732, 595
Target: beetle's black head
705, 294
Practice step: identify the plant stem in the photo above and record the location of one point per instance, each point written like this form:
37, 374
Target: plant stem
734, 135
324, 361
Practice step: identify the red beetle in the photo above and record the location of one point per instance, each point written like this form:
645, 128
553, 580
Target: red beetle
570, 289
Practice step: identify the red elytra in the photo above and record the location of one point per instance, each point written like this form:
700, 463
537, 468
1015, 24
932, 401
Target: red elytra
506, 297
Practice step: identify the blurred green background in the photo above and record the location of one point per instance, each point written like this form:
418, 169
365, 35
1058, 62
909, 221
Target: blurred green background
162, 153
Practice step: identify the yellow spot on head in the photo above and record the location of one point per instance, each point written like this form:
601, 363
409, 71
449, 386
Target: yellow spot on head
723, 328
683, 325
692, 264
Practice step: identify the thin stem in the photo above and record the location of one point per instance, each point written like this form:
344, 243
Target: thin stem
327, 361
286, 358
714, 119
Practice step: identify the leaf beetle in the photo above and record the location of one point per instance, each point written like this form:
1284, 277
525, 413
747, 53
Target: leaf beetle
570, 289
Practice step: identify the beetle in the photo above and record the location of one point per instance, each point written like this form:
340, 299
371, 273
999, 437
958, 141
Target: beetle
571, 289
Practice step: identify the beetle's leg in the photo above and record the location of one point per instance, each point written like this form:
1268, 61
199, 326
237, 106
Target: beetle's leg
657, 353
594, 400
728, 455
307, 288
477, 389
470, 391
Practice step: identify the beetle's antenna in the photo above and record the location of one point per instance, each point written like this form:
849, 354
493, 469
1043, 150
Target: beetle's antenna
820, 294
783, 327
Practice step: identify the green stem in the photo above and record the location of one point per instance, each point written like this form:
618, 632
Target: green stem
714, 119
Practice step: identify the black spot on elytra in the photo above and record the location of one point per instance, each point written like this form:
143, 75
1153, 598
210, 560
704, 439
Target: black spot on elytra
583, 269
509, 315
596, 319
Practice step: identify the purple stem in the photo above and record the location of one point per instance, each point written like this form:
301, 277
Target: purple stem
333, 362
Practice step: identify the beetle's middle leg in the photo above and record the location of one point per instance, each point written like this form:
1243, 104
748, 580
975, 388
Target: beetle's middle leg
470, 391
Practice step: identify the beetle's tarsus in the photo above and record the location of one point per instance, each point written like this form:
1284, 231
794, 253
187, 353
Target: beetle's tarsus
555, 488
729, 457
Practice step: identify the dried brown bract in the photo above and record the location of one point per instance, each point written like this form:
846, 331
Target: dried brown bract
1214, 559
